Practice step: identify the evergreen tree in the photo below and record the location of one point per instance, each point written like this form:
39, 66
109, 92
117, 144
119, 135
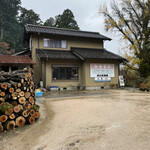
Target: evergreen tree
65, 20
9, 27
50, 22
29, 17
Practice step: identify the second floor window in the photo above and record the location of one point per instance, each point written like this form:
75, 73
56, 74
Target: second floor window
54, 43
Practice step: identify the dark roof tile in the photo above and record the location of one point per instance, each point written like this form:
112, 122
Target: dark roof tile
62, 31
90, 53
55, 54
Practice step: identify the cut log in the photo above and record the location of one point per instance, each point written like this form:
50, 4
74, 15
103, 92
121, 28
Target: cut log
11, 90
32, 112
21, 107
26, 104
9, 125
31, 100
3, 118
1, 128
8, 111
18, 90
25, 113
14, 98
2, 94
14, 94
28, 89
17, 109
12, 116
30, 106
32, 91
22, 100
4, 86
30, 120
19, 84
22, 81
36, 115
25, 88
27, 94
21, 93
2, 99
20, 121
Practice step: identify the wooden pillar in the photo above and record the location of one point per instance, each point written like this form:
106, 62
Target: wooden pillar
44, 72
9, 69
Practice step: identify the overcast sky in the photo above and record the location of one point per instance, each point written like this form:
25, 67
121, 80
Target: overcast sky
85, 12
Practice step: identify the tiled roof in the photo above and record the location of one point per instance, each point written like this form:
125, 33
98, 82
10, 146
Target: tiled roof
55, 54
90, 53
8, 59
78, 53
62, 31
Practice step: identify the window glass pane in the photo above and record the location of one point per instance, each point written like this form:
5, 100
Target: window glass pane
58, 43
62, 73
63, 44
65, 73
74, 73
55, 73
52, 43
68, 73
46, 42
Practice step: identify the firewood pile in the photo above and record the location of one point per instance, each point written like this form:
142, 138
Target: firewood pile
17, 99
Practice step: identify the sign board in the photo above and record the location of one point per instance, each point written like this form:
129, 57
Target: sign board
102, 70
102, 79
121, 81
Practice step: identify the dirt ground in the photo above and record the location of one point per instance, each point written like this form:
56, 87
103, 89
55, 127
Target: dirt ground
95, 120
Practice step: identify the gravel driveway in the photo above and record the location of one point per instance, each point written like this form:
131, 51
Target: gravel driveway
96, 120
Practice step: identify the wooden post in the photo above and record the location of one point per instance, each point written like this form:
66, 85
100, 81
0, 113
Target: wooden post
9, 69
44, 72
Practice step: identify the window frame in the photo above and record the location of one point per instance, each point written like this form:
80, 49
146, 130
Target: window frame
63, 43
66, 73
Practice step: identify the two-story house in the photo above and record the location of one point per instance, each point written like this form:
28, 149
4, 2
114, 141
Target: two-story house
70, 58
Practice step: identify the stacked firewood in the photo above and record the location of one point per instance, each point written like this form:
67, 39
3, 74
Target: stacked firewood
17, 99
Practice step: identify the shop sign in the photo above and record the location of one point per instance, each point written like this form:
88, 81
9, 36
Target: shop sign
121, 81
101, 70
102, 79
